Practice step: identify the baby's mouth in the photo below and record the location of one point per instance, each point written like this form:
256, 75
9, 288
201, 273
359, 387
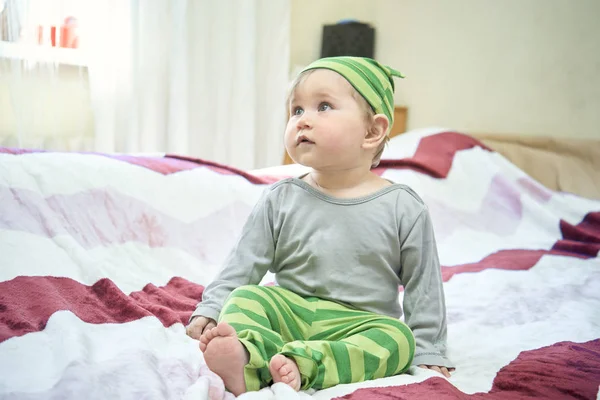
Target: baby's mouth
303, 139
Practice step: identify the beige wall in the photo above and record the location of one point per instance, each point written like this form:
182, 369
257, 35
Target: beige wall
308, 18
512, 66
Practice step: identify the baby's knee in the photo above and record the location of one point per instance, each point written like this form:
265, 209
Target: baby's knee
397, 330
244, 288
245, 292
243, 301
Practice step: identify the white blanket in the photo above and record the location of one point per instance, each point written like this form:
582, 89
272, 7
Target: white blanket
103, 258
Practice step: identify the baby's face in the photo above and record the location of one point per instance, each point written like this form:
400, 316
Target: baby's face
327, 126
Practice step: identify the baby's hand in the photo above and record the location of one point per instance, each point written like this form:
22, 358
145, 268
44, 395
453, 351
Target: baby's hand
442, 370
198, 326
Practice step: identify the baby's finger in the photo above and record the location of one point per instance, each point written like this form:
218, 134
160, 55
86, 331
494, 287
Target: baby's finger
209, 326
195, 328
435, 368
445, 372
194, 331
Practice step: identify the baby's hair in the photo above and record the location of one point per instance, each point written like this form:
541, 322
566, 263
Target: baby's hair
369, 113
299, 79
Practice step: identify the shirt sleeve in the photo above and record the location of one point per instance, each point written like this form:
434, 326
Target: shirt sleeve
424, 302
247, 263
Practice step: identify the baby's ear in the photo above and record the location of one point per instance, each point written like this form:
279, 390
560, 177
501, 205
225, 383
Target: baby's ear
377, 132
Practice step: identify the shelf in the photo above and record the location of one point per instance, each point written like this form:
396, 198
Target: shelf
42, 54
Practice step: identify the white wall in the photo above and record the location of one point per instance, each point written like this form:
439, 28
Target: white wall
512, 66
54, 104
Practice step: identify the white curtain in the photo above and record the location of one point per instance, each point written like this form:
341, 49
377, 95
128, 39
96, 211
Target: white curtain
201, 78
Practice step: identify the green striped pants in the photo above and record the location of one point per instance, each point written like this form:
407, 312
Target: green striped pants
331, 343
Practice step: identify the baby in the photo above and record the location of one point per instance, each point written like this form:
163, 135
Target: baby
340, 240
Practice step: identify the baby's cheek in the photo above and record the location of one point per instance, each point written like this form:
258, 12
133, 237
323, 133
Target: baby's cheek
339, 145
289, 138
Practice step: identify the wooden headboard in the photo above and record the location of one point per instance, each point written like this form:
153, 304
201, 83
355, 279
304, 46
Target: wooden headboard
400, 117
560, 163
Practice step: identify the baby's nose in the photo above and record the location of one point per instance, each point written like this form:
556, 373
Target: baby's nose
305, 121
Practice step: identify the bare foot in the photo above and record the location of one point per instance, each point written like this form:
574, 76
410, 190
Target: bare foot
225, 356
285, 370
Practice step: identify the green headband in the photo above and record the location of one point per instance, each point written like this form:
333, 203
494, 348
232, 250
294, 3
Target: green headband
371, 79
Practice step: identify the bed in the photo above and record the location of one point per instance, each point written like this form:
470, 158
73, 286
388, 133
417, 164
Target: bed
103, 257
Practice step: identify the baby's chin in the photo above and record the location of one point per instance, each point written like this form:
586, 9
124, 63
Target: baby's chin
314, 164
318, 162
307, 160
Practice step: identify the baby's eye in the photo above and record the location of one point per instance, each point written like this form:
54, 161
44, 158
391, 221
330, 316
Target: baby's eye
324, 106
297, 111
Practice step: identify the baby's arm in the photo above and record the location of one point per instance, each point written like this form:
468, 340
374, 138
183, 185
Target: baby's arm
246, 264
424, 302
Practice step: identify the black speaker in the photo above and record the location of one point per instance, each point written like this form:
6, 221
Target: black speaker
351, 38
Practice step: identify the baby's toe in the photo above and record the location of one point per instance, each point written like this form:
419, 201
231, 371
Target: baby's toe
209, 335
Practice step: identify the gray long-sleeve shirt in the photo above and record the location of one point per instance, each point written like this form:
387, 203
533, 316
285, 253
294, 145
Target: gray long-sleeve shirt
355, 251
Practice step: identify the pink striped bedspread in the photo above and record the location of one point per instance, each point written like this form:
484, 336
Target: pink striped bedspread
104, 257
